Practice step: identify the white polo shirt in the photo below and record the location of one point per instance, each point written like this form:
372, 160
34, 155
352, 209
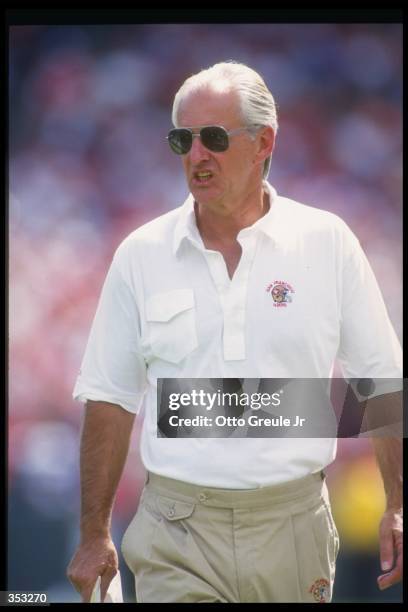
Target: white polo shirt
168, 309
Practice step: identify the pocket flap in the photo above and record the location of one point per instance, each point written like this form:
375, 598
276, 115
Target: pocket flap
173, 509
164, 306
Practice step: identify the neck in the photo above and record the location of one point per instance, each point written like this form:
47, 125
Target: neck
224, 224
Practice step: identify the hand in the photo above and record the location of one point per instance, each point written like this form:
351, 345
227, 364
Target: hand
390, 548
96, 557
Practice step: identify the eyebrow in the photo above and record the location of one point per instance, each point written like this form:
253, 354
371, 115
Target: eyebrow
198, 129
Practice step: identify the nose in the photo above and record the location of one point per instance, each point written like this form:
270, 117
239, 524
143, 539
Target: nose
198, 151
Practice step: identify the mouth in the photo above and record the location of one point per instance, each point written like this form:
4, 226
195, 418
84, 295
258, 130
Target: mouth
202, 177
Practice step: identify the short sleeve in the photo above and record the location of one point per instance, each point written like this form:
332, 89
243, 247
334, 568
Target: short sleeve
369, 347
113, 368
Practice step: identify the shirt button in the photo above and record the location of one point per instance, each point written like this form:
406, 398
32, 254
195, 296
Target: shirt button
171, 512
203, 497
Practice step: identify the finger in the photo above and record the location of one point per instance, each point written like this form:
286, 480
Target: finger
386, 549
389, 579
70, 573
86, 593
82, 583
394, 576
106, 579
76, 583
87, 588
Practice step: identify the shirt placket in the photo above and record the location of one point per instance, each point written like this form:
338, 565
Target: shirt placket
233, 296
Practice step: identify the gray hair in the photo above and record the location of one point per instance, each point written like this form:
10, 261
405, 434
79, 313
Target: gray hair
257, 103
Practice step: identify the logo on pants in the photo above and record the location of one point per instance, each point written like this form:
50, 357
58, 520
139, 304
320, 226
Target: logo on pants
320, 590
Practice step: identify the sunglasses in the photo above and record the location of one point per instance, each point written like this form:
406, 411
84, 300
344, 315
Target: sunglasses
214, 137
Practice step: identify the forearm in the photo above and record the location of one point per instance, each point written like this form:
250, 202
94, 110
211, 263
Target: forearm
388, 453
104, 448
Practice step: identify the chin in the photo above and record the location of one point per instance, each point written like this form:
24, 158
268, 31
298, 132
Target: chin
206, 201
205, 195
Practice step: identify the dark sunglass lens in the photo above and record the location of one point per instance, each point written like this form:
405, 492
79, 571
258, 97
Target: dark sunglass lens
180, 141
215, 138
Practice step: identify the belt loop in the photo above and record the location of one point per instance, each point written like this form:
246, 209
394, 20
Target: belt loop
323, 474
146, 478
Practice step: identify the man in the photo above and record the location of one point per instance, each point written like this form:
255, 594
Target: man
220, 287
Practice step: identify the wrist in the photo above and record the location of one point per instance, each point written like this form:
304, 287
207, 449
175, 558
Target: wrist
394, 505
95, 532
92, 537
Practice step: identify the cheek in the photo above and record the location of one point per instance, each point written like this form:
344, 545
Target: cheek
240, 167
185, 163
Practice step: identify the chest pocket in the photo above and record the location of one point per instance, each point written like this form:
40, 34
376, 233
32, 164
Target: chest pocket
171, 321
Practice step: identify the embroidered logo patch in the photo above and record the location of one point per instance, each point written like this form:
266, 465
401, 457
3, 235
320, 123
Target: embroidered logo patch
320, 590
281, 293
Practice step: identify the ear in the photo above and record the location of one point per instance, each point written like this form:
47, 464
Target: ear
266, 143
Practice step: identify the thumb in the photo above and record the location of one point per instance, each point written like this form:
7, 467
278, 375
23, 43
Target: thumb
386, 548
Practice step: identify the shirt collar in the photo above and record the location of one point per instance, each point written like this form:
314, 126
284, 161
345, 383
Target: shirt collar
186, 226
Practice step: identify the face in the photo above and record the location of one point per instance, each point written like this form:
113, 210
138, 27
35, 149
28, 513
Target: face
230, 175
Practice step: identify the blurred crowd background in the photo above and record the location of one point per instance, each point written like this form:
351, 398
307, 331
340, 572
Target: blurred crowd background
89, 111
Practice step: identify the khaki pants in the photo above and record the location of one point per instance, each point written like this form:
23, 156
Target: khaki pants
189, 543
